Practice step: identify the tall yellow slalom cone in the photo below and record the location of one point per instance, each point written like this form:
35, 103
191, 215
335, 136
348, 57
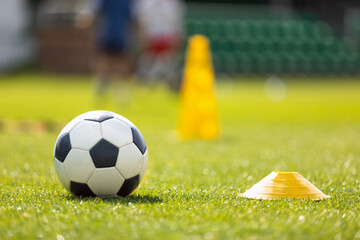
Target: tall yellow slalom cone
198, 112
282, 185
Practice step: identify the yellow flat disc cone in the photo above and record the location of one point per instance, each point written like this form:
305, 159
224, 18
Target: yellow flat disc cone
281, 185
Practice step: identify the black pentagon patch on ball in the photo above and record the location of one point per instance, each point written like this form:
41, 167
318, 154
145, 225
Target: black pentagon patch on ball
81, 189
138, 140
63, 147
104, 154
129, 186
100, 117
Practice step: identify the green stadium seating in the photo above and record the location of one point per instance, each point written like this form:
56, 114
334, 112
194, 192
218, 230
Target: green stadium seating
275, 46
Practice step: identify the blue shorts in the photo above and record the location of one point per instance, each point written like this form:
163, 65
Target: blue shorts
111, 47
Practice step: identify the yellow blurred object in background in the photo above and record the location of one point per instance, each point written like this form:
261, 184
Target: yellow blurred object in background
282, 185
198, 111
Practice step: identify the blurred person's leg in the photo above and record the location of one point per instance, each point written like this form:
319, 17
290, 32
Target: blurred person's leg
144, 65
169, 69
147, 62
122, 65
103, 74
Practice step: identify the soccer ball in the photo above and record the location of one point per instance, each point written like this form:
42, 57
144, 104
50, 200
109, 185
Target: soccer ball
100, 153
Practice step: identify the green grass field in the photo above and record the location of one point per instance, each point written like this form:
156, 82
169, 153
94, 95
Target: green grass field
192, 188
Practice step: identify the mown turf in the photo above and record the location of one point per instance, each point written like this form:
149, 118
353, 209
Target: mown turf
192, 188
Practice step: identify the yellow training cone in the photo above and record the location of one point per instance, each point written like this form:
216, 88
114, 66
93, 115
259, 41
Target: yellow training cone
198, 112
280, 185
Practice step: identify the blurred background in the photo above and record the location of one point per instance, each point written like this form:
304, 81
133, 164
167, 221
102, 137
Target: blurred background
297, 37
274, 60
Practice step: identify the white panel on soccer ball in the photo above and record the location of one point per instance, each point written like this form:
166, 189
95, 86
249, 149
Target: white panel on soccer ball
129, 161
117, 132
61, 172
85, 135
144, 165
72, 124
127, 121
79, 166
105, 182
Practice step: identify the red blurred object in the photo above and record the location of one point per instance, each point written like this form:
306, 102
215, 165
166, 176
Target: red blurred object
162, 44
